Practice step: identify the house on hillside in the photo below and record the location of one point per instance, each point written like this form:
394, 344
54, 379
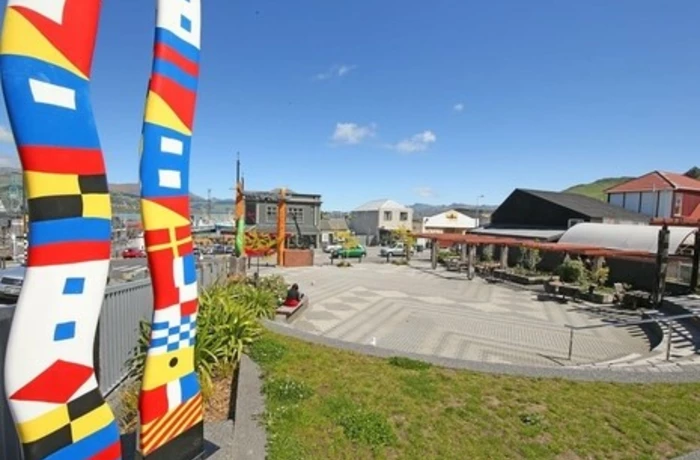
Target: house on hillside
658, 194
448, 222
543, 215
376, 219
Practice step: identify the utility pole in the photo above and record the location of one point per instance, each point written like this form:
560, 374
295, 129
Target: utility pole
209, 205
478, 210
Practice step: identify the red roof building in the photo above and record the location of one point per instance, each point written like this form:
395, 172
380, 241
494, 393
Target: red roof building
658, 194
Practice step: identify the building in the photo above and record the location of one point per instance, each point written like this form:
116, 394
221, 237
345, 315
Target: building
450, 221
658, 194
376, 219
330, 227
303, 214
543, 215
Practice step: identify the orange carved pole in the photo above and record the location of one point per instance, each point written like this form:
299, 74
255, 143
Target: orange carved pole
281, 226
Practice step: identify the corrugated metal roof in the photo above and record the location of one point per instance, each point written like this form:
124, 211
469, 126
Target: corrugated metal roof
376, 205
657, 181
333, 224
588, 206
530, 233
626, 237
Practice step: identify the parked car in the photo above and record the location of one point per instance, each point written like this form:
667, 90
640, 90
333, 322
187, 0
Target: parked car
396, 249
355, 252
331, 248
11, 280
133, 253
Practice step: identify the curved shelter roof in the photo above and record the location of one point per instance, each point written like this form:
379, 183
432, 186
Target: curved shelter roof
626, 237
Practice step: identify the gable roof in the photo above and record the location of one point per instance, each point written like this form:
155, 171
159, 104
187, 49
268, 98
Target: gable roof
376, 205
587, 206
657, 181
334, 224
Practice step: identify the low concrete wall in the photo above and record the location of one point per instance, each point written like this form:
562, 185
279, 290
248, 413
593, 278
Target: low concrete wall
298, 258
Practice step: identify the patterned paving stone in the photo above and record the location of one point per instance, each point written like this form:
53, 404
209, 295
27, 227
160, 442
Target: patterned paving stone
444, 315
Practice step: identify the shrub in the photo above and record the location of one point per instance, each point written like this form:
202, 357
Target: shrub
275, 284
226, 325
529, 259
343, 264
487, 253
572, 270
599, 276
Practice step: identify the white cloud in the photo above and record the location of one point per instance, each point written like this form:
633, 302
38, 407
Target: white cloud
6, 135
458, 107
425, 192
335, 71
417, 142
352, 133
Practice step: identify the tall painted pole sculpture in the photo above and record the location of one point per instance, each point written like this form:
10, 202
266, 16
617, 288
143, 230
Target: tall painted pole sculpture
240, 212
281, 226
170, 404
45, 62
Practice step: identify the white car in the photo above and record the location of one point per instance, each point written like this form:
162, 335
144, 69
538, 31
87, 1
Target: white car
331, 248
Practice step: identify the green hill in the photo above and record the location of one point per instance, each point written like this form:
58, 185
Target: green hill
597, 189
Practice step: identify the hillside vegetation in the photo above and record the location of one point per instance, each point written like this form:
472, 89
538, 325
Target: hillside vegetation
597, 188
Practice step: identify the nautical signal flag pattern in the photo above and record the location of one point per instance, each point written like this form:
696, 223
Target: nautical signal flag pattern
170, 403
46, 55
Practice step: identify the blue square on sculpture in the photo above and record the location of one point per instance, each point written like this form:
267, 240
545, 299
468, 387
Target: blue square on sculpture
189, 269
186, 24
64, 331
74, 286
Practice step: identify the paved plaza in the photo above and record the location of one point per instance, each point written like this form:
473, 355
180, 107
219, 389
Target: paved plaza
440, 313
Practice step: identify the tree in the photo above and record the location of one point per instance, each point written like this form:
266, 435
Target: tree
405, 236
348, 240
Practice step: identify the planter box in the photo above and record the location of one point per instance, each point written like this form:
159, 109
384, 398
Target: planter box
601, 297
570, 291
634, 300
500, 273
527, 280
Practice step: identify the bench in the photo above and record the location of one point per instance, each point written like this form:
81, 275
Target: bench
289, 314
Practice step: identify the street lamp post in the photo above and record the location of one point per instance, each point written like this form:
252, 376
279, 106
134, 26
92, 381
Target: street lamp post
478, 209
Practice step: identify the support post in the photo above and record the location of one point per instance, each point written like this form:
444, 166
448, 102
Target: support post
696, 262
661, 265
669, 334
598, 262
571, 342
504, 256
463, 255
434, 248
471, 258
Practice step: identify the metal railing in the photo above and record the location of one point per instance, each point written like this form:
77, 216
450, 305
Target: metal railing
667, 320
125, 306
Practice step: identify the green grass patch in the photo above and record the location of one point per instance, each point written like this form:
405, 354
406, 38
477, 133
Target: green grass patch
266, 351
408, 363
328, 403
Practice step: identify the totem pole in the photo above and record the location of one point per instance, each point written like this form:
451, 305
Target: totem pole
45, 62
281, 226
170, 403
240, 212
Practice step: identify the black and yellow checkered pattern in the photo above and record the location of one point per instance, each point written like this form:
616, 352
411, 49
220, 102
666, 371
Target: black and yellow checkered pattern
59, 196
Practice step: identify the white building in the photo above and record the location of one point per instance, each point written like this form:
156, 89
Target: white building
376, 219
448, 222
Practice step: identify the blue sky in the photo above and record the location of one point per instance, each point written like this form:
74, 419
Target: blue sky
416, 101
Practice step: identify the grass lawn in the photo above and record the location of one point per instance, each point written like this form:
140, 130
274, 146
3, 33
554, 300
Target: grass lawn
324, 403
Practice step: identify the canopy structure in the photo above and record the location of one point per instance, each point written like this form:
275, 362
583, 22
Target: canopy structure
584, 247
640, 238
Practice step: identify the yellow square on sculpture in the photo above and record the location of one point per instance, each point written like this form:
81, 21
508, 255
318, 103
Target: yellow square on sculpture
96, 205
167, 367
42, 184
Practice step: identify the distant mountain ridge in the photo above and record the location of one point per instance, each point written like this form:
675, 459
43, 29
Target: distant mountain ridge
421, 210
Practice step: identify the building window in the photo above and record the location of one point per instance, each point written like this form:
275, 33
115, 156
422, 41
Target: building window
251, 214
403, 216
678, 205
271, 213
297, 212
387, 215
